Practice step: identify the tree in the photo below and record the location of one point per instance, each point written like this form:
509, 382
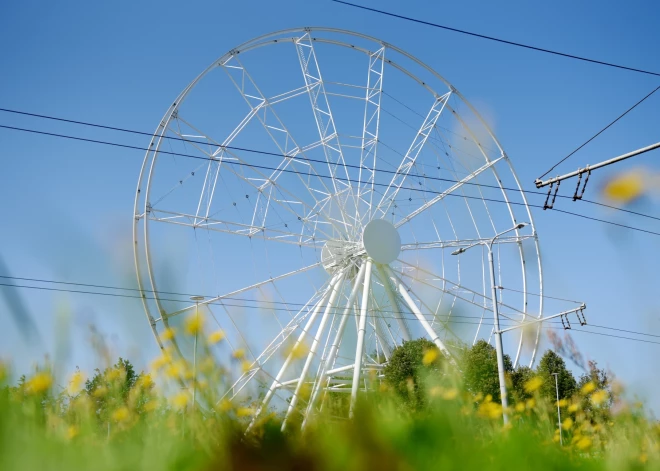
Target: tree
552, 363
112, 388
596, 387
480, 370
518, 378
409, 367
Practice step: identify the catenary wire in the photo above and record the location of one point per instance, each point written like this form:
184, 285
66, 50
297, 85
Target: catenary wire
600, 132
274, 154
447, 321
503, 41
263, 167
233, 298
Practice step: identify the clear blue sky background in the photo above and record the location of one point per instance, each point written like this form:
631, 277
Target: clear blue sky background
66, 206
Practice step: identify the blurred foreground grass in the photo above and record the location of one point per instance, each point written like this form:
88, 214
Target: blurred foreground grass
119, 420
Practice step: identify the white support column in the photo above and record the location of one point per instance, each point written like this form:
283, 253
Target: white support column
396, 312
301, 338
403, 291
362, 327
334, 348
315, 343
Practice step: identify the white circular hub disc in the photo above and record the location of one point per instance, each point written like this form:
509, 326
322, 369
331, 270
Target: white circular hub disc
381, 241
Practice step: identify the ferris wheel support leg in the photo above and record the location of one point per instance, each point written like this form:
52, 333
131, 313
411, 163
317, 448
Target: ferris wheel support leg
362, 327
391, 296
403, 291
315, 343
334, 348
301, 338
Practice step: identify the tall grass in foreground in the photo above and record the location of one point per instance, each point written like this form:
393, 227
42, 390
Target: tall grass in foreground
119, 420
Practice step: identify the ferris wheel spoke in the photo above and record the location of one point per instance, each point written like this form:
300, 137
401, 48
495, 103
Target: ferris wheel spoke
370, 130
251, 287
330, 306
445, 193
279, 134
215, 158
274, 234
262, 183
404, 292
329, 361
445, 244
461, 292
394, 303
325, 123
277, 382
411, 155
362, 327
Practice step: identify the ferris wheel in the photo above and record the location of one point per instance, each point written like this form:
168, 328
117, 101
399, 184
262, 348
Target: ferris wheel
327, 190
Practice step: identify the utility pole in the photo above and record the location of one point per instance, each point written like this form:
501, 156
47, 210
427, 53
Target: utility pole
561, 440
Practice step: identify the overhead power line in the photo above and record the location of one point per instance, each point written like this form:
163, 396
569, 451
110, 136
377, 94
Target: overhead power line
448, 320
600, 132
359, 167
265, 167
499, 40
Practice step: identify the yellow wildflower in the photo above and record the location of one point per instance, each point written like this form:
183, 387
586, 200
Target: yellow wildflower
216, 337
531, 403
488, 398
76, 383
567, 424
173, 370
194, 324
478, 397
573, 407
151, 406
244, 412
450, 394
562, 403
120, 414
225, 405
167, 334
430, 356
180, 401
435, 391
72, 432
489, 409
39, 383
145, 382
625, 187
160, 362
100, 391
245, 366
296, 351
587, 388
520, 407
599, 397
238, 354
533, 384
643, 458
114, 374
584, 443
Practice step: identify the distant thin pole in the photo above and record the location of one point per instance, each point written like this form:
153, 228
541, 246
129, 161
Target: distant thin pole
561, 440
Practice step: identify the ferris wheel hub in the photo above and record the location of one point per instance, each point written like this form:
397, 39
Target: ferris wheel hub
381, 241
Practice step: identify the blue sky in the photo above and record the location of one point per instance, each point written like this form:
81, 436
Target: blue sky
66, 205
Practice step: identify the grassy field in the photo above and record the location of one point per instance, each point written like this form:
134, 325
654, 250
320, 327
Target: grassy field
118, 420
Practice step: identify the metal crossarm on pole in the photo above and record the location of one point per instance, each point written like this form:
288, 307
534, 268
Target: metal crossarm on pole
589, 168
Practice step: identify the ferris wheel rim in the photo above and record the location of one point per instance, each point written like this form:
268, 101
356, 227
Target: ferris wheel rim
157, 138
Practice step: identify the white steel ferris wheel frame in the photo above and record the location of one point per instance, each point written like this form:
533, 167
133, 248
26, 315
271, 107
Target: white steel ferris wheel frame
361, 194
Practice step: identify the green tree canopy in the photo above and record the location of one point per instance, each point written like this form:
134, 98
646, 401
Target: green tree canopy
552, 363
406, 371
480, 370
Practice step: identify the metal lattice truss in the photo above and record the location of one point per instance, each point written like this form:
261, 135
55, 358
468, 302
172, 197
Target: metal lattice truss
288, 171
